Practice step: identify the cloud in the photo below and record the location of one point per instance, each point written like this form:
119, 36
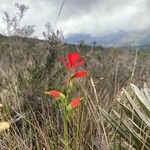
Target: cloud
108, 16
95, 17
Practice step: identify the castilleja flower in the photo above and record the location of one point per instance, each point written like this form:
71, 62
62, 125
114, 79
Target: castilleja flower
80, 74
56, 94
74, 60
73, 104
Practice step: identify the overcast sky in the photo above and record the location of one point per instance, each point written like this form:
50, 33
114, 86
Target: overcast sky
95, 17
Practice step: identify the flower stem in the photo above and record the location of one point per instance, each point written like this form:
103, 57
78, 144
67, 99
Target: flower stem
66, 142
66, 117
66, 130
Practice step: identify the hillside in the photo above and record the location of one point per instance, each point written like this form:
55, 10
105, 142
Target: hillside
28, 67
84, 84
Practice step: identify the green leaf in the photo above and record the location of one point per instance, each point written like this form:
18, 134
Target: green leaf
142, 117
143, 101
126, 132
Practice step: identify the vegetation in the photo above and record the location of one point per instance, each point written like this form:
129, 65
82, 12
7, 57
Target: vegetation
112, 113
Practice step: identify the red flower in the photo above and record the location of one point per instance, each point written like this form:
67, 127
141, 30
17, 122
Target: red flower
74, 60
80, 74
74, 103
56, 94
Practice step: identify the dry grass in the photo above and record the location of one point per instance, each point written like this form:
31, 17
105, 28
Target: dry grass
29, 67
37, 120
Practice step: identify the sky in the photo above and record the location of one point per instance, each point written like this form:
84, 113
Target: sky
94, 17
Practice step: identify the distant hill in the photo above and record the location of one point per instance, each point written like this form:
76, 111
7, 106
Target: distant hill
105, 40
102, 42
109, 40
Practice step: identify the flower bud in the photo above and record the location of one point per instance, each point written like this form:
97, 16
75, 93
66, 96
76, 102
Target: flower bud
73, 104
56, 94
80, 74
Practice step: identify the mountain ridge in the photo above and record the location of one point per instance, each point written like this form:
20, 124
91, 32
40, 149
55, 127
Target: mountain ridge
109, 40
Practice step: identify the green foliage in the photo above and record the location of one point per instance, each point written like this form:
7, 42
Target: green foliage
134, 121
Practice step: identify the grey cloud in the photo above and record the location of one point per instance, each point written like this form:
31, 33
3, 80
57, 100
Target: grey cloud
109, 16
95, 17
